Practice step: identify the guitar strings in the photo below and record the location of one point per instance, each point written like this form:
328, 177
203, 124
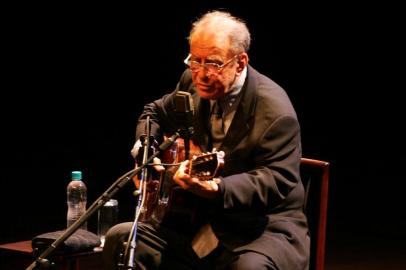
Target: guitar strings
164, 164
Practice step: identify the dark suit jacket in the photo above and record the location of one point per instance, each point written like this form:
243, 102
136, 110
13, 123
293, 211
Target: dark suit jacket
261, 204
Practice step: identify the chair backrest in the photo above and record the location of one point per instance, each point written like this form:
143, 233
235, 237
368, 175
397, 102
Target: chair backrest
315, 177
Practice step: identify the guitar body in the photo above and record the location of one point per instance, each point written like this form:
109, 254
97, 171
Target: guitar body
168, 203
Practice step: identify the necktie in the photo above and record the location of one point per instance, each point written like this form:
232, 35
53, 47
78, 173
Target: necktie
217, 127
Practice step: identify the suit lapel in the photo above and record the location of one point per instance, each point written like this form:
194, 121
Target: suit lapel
244, 116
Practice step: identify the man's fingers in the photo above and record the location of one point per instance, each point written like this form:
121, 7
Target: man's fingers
158, 167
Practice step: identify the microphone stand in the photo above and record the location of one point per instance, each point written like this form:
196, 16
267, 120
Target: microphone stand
186, 134
42, 262
128, 256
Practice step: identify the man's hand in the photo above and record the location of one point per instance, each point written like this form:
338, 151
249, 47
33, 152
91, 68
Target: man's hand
135, 151
207, 189
156, 161
157, 165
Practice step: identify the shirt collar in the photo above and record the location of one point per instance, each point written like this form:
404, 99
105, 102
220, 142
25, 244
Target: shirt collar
238, 84
235, 89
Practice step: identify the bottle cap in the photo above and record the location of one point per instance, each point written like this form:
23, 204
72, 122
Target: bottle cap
76, 175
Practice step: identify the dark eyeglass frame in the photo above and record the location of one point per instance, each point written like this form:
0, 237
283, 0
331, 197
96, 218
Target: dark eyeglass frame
212, 68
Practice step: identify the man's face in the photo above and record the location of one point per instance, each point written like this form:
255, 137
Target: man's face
213, 69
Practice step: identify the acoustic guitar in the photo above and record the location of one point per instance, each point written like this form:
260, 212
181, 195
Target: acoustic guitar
167, 201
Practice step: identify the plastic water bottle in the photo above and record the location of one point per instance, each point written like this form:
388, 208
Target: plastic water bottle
76, 199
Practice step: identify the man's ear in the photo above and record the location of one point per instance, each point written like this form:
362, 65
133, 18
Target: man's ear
242, 62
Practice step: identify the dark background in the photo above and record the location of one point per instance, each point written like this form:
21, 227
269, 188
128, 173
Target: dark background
75, 78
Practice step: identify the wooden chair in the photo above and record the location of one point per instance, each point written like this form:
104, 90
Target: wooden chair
315, 177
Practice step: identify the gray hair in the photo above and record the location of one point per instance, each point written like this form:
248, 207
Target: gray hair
223, 25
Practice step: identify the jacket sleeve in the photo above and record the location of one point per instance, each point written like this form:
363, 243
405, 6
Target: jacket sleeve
274, 171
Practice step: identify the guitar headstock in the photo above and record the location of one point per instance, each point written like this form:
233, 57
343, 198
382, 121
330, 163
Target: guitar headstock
207, 166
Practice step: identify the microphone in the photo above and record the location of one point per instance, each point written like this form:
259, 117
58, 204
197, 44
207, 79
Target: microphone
168, 142
184, 111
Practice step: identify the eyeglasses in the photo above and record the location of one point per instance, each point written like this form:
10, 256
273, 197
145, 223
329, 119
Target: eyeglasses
212, 68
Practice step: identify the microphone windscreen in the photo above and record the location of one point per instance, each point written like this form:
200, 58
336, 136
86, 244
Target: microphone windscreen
184, 102
184, 109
